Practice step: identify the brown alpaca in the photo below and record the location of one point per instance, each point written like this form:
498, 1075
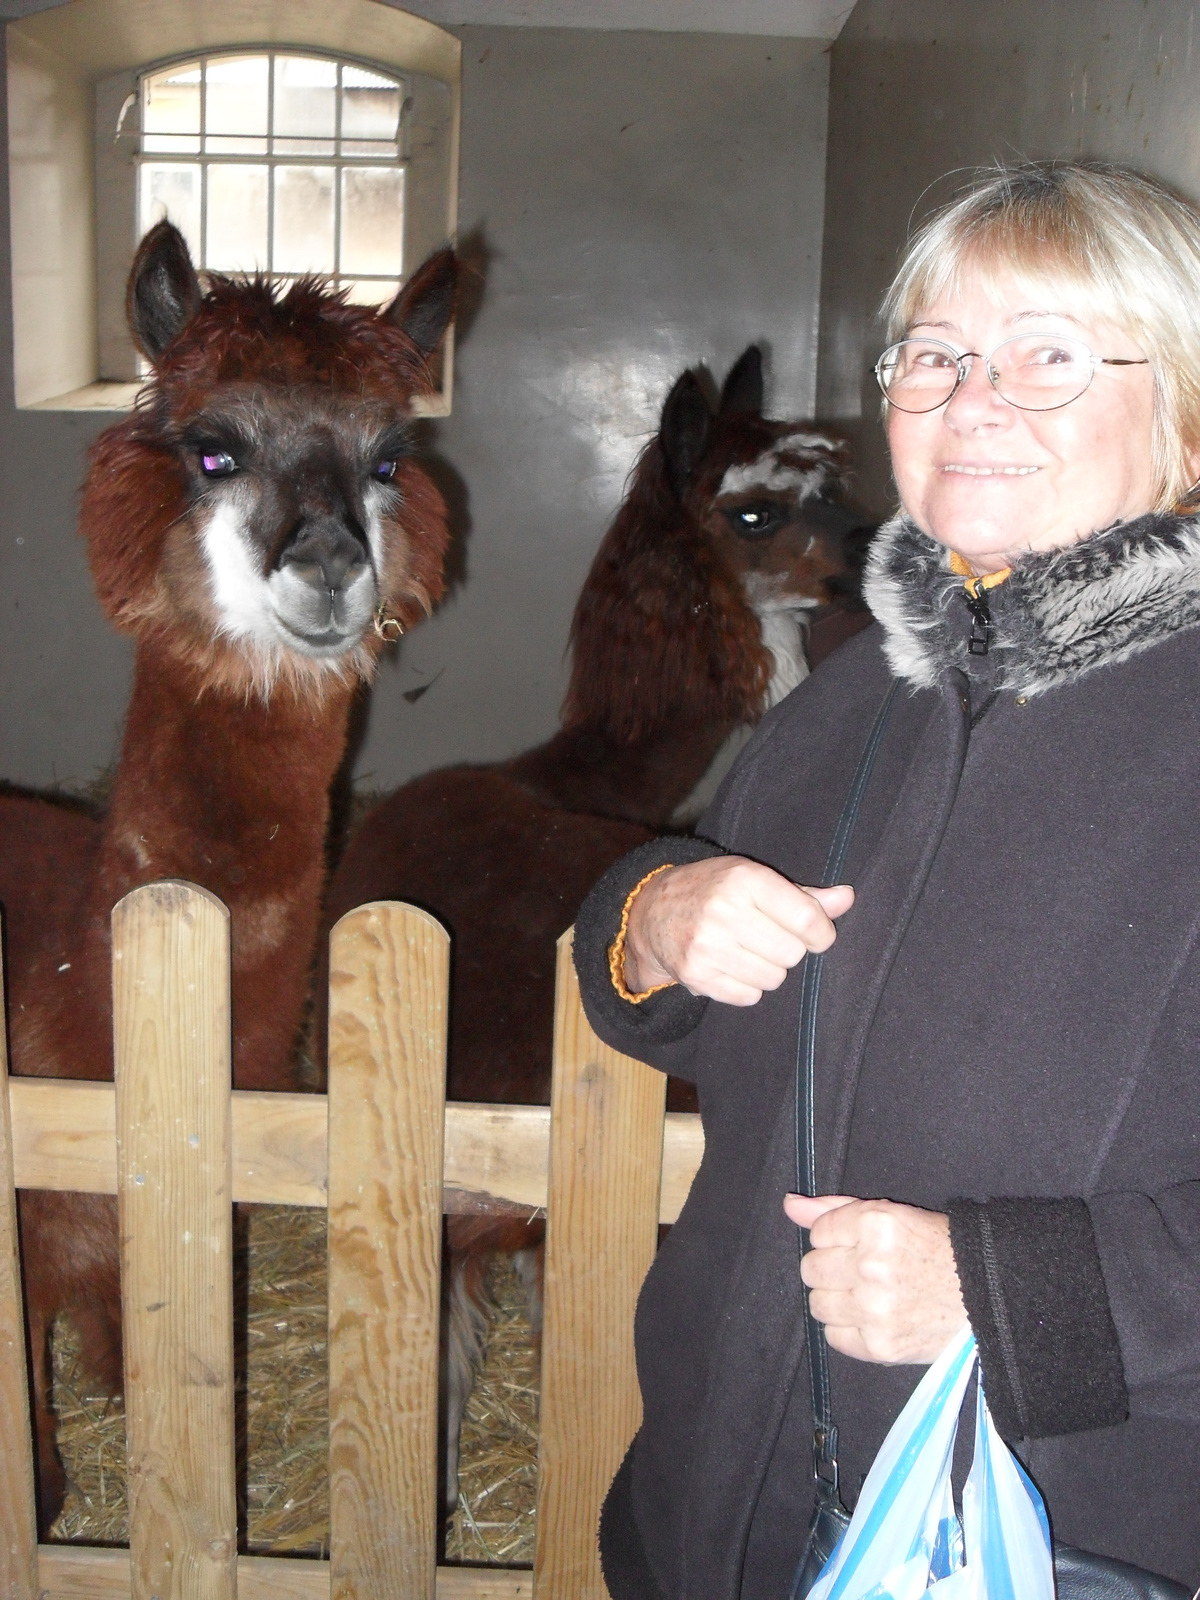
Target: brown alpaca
245, 524
693, 619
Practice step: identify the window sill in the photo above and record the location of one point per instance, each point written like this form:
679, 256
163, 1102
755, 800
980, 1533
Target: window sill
92, 397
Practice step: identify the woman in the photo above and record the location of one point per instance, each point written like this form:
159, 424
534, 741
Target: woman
1007, 1101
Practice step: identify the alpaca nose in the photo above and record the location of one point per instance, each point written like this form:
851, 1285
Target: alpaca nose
327, 554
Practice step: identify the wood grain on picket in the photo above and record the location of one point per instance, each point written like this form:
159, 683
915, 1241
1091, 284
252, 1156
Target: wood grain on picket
171, 994
18, 1516
606, 1143
389, 967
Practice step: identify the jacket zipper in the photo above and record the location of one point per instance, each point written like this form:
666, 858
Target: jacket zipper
981, 617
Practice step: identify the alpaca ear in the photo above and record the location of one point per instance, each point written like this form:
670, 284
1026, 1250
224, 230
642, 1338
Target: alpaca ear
164, 291
424, 306
686, 420
743, 388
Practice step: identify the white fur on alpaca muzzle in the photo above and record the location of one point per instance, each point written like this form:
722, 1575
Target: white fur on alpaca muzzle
293, 607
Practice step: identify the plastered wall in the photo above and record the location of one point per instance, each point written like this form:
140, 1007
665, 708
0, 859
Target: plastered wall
924, 88
644, 200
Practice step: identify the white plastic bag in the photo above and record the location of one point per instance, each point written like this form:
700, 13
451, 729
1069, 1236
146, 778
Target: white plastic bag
904, 1540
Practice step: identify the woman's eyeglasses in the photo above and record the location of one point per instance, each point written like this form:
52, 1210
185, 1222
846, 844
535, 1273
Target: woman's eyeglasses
1034, 372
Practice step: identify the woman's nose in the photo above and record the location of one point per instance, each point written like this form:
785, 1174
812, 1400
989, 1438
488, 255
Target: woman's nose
975, 403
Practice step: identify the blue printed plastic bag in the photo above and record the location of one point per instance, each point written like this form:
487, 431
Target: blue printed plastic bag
904, 1540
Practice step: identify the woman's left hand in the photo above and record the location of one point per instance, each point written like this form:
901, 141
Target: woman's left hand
882, 1277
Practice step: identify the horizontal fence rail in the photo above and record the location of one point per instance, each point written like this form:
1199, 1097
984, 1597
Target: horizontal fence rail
497, 1157
67, 1572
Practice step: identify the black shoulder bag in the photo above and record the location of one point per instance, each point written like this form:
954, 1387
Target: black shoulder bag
1078, 1574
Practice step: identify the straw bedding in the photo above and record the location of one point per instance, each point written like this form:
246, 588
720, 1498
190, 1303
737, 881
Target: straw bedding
283, 1416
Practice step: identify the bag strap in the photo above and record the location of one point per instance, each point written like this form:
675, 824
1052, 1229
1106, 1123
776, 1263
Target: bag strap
825, 1467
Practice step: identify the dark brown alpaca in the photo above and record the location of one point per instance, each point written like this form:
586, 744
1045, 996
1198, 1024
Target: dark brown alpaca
693, 619
246, 525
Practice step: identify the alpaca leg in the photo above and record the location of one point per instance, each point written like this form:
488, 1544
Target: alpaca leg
466, 1333
529, 1265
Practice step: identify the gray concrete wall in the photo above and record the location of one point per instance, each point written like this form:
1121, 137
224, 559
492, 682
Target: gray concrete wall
647, 200
921, 89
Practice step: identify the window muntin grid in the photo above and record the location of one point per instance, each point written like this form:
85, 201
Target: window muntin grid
279, 162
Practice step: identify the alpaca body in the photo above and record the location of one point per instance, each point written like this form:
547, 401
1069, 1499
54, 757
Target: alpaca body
692, 622
243, 526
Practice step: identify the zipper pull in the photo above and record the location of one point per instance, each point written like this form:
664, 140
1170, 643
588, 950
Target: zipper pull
981, 617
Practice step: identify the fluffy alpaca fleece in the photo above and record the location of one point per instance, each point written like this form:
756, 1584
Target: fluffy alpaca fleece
1059, 614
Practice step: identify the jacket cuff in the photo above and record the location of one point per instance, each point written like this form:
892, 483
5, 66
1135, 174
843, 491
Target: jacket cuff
1038, 1304
660, 1018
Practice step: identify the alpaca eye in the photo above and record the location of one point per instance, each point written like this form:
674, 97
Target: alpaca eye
756, 521
384, 471
218, 464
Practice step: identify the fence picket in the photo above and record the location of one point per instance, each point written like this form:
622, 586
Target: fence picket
18, 1517
389, 968
174, 1183
606, 1142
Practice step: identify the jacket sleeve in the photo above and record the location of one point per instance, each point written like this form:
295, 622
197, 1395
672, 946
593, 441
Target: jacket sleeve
656, 1029
1038, 1303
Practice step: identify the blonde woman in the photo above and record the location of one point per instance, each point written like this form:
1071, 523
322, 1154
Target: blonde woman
1006, 1064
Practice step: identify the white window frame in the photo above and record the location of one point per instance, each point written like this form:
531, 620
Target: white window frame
72, 182
272, 157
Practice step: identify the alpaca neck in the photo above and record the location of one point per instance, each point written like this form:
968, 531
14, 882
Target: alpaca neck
234, 795
666, 778
586, 769
784, 623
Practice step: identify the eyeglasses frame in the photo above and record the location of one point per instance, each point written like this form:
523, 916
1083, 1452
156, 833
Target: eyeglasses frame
993, 375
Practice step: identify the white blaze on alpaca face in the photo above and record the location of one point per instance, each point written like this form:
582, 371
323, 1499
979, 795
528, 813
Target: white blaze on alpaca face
280, 610
775, 473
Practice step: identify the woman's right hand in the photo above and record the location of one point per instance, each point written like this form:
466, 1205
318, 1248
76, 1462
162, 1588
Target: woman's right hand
727, 928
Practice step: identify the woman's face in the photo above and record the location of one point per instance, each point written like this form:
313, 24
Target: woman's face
991, 481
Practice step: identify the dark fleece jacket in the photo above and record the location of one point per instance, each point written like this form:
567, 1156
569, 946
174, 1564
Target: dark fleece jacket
1007, 1032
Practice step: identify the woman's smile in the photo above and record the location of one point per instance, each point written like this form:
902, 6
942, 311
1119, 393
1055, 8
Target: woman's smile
985, 471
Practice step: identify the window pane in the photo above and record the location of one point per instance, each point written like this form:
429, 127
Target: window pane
171, 190
370, 111
171, 101
371, 292
288, 149
305, 104
237, 218
170, 144
235, 104
372, 221
303, 219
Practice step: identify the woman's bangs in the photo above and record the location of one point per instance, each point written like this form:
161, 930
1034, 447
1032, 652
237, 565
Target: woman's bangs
997, 257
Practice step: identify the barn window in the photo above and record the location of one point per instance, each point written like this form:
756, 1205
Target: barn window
278, 137
280, 163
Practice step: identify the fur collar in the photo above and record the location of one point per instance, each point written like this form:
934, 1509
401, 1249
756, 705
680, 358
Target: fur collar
1060, 613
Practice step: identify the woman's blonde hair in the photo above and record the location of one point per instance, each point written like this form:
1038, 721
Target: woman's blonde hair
1123, 248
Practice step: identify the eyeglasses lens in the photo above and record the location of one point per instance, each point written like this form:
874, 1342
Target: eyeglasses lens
1035, 372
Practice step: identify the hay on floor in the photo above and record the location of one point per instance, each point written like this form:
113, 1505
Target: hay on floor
282, 1283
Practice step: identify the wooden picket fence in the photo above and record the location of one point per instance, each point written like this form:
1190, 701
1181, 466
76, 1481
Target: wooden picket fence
387, 1156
